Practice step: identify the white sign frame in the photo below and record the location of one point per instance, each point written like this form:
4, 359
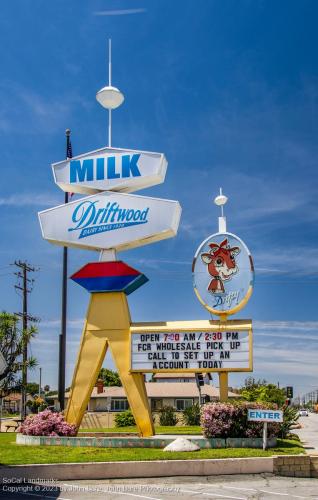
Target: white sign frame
279, 415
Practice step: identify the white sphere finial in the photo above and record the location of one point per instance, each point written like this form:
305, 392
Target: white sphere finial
110, 97
221, 199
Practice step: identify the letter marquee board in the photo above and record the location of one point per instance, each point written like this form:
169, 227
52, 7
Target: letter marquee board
192, 346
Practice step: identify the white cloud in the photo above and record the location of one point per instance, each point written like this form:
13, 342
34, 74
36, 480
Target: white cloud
119, 12
287, 325
29, 199
53, 323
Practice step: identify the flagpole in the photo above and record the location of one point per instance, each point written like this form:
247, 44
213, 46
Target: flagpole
62, 336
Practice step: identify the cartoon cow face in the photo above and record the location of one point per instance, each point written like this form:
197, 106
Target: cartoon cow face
221, 264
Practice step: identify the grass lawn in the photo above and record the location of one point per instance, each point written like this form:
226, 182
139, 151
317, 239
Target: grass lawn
13, 454
195, 429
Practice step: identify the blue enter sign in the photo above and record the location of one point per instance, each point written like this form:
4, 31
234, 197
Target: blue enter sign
265, 415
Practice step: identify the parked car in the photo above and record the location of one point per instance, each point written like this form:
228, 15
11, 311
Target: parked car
303, 412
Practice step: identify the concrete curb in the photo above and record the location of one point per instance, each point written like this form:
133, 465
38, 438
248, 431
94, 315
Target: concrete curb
160, 468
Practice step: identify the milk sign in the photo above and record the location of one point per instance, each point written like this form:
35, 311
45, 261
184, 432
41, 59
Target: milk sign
110, 169
223, 273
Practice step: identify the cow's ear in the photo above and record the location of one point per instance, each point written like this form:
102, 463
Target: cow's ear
214, 247
206, 257
235, 250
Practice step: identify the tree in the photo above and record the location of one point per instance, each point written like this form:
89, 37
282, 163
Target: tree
38, 404
110, 377
32, 388
261, 391
12, 340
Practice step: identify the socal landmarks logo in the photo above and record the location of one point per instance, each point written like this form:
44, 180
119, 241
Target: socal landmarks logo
221, 264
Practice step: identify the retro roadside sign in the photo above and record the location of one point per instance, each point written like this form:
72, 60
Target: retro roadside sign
223, 273
110, 169
111, 220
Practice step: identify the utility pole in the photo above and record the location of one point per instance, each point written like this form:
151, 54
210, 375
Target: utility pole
25, 290
40, 382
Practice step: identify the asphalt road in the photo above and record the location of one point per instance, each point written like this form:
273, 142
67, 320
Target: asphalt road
239, 487
309, 432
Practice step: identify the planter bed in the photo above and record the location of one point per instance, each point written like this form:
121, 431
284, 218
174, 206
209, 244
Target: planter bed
129, 441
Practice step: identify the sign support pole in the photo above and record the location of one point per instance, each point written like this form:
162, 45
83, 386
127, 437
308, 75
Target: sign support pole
100, 331
223, 386
223, 376
265, 436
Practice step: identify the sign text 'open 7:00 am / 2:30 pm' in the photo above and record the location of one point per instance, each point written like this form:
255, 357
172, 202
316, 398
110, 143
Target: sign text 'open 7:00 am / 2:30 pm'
191, 350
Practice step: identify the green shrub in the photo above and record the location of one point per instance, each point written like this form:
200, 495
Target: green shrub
191, 415
225, 420
167, 416
125, 419
291, 416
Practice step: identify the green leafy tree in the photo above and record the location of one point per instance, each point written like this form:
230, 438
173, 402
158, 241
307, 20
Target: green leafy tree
12, 340
38, 404
261, 391
110, 377
32, 388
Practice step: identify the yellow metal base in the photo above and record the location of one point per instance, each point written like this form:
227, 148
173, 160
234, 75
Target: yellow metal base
224, 386
107, 323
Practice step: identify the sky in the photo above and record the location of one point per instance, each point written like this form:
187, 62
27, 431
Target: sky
227, 90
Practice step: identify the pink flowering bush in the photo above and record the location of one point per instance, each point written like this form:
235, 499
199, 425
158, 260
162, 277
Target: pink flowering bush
47, 423
223, 420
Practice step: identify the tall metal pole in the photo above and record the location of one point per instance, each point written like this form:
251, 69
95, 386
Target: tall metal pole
109, 84
62, 337
40, 382
25, 345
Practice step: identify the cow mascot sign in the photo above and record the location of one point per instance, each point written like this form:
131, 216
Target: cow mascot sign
223, 274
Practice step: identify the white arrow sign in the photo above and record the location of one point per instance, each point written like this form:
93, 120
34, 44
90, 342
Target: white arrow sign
111, 220
110, 169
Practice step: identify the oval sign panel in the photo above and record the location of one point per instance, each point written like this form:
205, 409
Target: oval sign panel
223, 273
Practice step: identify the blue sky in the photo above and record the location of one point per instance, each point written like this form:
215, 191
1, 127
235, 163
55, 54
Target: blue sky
228, 91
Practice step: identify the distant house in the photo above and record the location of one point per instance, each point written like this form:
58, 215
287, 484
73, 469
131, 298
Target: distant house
12, 402
177, 377
179, 395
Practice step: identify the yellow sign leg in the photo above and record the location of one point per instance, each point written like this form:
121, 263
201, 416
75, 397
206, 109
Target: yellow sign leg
108, 322
224, 386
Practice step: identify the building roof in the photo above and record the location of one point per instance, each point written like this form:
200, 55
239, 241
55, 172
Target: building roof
164, 390
174, 375
16, 396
